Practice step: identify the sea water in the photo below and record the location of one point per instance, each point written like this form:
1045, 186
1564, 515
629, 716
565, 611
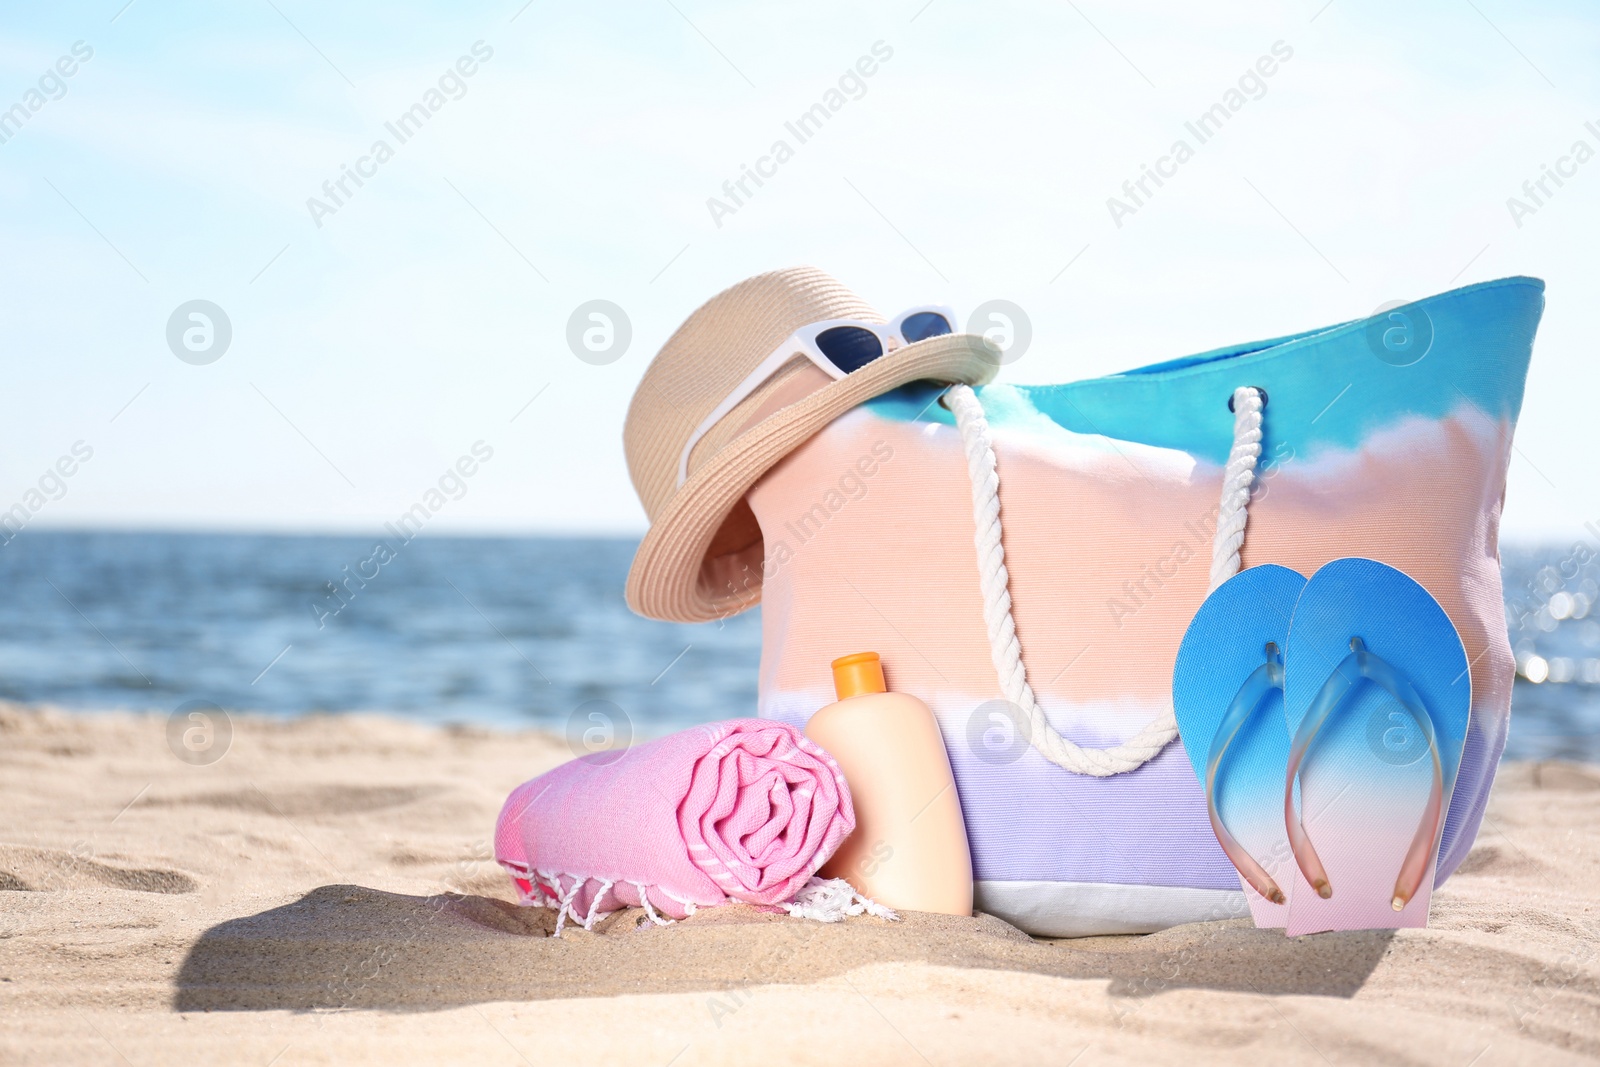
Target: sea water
501, 632
517, 632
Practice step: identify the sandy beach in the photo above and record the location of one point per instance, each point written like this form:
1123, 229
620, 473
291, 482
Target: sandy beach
324, 894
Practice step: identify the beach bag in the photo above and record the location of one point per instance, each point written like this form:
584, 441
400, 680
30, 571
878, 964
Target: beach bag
1025, 559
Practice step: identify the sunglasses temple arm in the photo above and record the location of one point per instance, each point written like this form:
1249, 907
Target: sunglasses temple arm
753, 381
794, 345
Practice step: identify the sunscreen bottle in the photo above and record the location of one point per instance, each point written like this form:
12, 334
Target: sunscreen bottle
909, 848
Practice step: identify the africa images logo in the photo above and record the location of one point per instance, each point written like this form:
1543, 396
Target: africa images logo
1251, 85
807, 125
338, 192
52, 85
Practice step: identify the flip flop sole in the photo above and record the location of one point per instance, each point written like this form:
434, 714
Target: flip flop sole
1368, 781
1222, 650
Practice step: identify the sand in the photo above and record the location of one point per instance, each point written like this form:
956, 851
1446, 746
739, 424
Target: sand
323, 893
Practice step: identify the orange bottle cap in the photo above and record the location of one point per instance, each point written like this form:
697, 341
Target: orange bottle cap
858, 675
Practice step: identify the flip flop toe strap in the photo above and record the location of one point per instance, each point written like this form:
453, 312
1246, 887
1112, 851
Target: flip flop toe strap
1252, 695
1332, 699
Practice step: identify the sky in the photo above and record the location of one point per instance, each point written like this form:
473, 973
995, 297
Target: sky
380, 333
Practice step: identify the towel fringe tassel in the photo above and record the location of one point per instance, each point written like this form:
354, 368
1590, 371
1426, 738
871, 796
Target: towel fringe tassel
825, 900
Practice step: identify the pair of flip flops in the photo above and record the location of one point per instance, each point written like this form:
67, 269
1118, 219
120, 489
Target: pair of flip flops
1325, 718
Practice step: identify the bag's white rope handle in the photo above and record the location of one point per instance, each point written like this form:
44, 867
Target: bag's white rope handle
1237, 480
1004, 647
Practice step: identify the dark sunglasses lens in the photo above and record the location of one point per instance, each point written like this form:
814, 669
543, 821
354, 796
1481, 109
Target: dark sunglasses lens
924, 324
849, 347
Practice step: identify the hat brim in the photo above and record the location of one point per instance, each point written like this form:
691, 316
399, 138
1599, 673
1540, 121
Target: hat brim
664, 581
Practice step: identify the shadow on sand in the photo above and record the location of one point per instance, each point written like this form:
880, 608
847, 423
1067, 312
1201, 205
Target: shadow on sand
348, 947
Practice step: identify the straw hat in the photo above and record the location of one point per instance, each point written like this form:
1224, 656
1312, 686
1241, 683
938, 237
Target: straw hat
702, 556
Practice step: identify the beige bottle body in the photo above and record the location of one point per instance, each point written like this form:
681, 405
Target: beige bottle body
909, 849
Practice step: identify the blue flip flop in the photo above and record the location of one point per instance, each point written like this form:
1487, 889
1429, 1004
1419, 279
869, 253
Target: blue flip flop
1227, 694
1377, 698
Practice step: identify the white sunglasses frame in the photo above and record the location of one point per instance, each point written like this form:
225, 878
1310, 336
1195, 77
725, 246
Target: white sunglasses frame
803, 343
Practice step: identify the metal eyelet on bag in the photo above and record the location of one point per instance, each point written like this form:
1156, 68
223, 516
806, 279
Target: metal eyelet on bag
1258, 389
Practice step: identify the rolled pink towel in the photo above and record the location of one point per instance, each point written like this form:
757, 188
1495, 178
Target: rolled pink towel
746, 809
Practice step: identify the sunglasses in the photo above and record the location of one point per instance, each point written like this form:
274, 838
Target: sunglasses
835, 346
